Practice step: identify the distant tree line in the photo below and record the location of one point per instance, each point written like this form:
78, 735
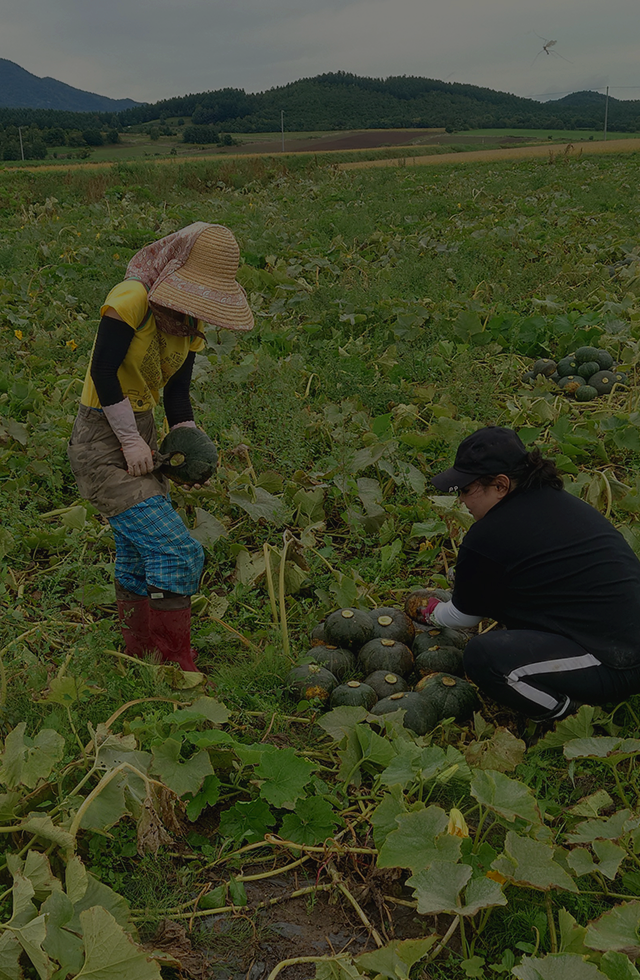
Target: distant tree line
333, 101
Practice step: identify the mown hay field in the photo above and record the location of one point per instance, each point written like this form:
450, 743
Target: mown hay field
396, 311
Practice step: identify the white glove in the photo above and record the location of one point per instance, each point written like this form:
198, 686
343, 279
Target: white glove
136, 451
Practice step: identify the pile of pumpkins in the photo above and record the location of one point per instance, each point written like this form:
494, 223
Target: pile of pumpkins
373, 659
586, 373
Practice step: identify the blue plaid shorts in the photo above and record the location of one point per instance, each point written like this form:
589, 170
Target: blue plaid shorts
154, 548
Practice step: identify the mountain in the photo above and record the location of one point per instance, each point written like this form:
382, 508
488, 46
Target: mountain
20, 89
342, 100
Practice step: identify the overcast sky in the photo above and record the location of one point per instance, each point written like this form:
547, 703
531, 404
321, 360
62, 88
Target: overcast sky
153, 49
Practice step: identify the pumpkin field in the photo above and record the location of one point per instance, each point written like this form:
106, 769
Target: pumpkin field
214, 825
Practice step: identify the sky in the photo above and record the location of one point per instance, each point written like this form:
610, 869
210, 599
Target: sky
149, 50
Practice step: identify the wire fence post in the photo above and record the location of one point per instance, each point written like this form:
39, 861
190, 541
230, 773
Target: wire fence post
606, 112
282, 127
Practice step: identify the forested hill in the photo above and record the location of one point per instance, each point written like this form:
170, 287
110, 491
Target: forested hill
20, 89
340, 100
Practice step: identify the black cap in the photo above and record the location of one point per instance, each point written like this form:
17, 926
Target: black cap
487, 452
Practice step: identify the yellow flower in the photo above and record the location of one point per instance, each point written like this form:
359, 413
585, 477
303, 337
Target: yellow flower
457, 826
496, 876
115, 256
72, 344
98, 236
18, 334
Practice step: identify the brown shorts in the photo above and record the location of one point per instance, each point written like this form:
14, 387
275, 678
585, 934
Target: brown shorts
99, 466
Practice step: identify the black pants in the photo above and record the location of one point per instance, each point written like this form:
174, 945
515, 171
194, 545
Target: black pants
540, 673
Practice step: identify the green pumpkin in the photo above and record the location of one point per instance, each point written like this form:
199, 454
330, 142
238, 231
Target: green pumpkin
527, 378
193, 456
603, 381
587, 369
383, 654
586, 393
438, 660
353, 694
442, 636
341, 663
350, 628
544, 366
566, 366
584, 354
309, 681
570, 383
604, 359
420, 717
451, 697
317, 635
386, 684
393, 624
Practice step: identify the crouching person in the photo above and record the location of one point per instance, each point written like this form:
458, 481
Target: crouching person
552, 570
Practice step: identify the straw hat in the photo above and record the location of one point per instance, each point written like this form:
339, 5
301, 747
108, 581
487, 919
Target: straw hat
205, 286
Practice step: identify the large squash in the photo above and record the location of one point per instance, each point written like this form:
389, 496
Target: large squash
310, 681
193, 456
341, 663
386, 684
354, 694
451, 697
393, 624
350, 628
421, 716
439, 660
438, 636
389, 655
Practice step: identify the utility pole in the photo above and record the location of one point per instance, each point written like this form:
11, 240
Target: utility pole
282, 127
21, 146
606, 112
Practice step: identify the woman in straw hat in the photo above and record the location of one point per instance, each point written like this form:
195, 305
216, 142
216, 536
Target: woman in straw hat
149, 334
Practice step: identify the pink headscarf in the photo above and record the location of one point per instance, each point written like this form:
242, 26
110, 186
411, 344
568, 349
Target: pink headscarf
153, 263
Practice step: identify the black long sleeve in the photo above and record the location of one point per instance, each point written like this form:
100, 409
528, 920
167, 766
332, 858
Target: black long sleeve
177, 404
112, 343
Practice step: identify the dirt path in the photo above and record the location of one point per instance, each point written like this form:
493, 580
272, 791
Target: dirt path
510, 153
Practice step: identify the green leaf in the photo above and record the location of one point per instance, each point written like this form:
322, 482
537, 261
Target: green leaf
591, 805
207, 529
610, 856
437, 888
609, 828
61, 944
204, 709
502, 752
420, 839
395, 960
26, 761
181, 777
42, 825
75, 518
482, 893
602, 747
285, 776
571, 934
527, 862
110, 953
341, 721
313, 821
581, 861
374, 748
208, 796
67, 690
474, 967
7, 544
508, 797
557, 966
85, 891
616, 966
250, 821
108, 807
237, 892
10, 952
405, 767
383, 819
259, 504
616, 930
576, 726
37, 869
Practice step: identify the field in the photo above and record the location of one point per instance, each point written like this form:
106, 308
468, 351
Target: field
136, 144
224, 826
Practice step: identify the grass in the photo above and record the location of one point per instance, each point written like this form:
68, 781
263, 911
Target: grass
364, 285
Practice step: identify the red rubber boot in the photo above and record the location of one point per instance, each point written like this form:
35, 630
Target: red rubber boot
133, 614
170, 628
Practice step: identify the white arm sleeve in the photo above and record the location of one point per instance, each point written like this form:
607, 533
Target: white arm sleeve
446, 614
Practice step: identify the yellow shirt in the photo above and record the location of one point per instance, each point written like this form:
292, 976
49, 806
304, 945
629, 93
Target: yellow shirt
153, 357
